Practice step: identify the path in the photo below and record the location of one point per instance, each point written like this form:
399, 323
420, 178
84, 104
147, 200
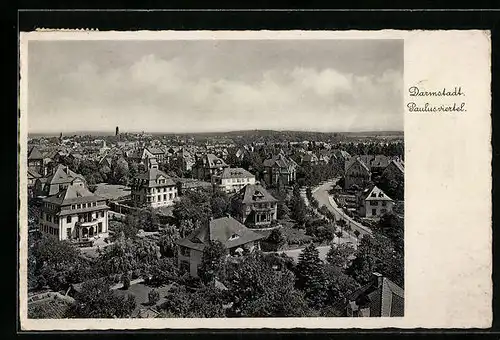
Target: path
323, 197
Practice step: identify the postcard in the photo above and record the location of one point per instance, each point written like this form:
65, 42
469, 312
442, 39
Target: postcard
255, 179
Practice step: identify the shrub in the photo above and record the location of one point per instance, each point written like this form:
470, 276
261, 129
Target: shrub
126, 281
153, 296
356, 233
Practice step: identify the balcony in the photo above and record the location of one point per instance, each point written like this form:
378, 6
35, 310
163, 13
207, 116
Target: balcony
83, 223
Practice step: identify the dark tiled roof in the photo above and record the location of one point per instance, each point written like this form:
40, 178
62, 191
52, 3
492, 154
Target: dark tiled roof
152, 174
73, 194
386, 299
254, 193
279, 160
156, 151
227, 230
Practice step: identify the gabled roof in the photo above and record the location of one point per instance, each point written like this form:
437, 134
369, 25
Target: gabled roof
226, 230
279, 160
375, 194
32, 173
236, 173
254, 193
155, 150
63, 175
380, 161
354, 160
152, 175
384, 299
34, 154
73, 194
214, 161
399, 165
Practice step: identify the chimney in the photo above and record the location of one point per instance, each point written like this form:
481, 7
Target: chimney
377, 279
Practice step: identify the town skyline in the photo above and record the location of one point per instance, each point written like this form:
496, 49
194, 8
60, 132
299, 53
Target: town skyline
215, 86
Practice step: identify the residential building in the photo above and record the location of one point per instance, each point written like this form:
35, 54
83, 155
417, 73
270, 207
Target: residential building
357, 173
396, 168
235, 237
35, 160
153, 152
374, 203
33, 175
280, 170
379, 298
74, 213
255, 206
153, 188
60, 179
234, 179
207, 166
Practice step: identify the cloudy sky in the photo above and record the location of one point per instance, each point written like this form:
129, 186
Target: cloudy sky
214, 85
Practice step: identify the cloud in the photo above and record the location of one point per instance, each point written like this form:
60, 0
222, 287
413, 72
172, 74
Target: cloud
155, 93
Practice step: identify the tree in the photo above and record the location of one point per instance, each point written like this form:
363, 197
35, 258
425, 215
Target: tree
377, 254
310, 276
258, 290
212, 261
126, 280
283, 211
339, 285
120, 171
220, 204
277, 238
97, 300
339, 255
119, 257
148, 219
299, 209
163, 272
167, 241
153, 297
392, 226
53, 263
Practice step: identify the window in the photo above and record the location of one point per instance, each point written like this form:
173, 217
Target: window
380, 194
73, 207
68, 219
78, 206
184, 266
68, 233
99, 227
374, 212
384, 203
102, 213
164, 197
170, 196
94, 204
185, 251
383, 211
159, 198
374, 194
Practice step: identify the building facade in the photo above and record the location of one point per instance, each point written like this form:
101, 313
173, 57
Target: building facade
235, 237
207, 166
280, 171
153, 188
234, 179
255, 206
374, 203
357, 173
74, 214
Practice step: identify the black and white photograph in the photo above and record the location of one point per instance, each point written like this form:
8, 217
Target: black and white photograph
214, 178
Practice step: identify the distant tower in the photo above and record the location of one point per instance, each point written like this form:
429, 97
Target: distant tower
117, 131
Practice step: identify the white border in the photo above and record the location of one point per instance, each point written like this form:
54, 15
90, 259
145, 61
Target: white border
439, 262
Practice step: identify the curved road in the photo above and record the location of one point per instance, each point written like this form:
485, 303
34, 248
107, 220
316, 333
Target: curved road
323, 197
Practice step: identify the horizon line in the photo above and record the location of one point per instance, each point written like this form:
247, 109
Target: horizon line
204, 132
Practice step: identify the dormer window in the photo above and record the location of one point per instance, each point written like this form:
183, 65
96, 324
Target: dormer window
380, 194
234, 237
374, 194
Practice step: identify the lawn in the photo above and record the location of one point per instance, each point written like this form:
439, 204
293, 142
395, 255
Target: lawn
140, 291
